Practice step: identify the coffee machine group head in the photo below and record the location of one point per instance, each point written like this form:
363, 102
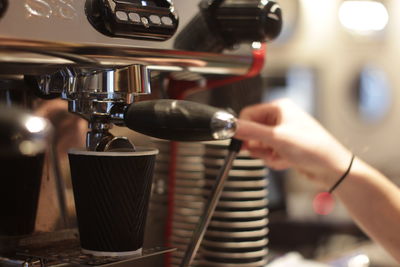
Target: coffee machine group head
106, 97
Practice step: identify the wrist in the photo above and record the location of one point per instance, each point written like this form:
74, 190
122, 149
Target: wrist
330, 170
345, 174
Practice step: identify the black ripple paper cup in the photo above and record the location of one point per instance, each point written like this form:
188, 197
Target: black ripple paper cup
111, 191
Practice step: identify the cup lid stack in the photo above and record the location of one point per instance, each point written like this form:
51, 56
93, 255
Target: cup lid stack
237, 234
188, 195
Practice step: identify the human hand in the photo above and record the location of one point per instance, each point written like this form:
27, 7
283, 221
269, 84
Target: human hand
285, 136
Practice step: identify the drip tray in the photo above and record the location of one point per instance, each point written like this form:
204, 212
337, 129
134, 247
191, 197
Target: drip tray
68, 253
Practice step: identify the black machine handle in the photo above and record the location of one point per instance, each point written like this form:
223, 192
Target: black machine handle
180, 120
223, 24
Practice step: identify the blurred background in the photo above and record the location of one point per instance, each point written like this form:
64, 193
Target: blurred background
338, 59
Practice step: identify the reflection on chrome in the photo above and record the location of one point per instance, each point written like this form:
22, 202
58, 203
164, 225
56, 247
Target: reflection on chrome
35, 124
223, 125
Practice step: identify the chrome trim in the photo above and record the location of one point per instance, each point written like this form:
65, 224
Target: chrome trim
19, 56
223, 125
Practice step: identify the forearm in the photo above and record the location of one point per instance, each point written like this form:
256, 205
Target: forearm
374, 203
285, 137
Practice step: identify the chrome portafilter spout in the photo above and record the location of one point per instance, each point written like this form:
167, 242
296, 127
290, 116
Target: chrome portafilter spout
96, 95
93, 93
98, 138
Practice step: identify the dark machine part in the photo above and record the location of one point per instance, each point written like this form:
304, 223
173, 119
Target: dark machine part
23, 141
155, 20
223, 24
233, 96
3, 7
180, 120
14, 92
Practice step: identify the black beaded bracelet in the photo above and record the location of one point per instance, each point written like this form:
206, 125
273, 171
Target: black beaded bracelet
343, 176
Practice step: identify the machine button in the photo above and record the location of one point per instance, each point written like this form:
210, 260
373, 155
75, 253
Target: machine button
167, 21
145, 22
155, 19
134, 17
121, 15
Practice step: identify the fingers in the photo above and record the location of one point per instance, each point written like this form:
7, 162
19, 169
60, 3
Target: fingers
271, 158
248, 130
268, 114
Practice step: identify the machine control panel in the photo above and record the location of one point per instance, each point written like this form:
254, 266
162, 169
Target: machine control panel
155, 20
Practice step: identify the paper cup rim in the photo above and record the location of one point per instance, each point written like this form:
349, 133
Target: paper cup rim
137, 252
140, 151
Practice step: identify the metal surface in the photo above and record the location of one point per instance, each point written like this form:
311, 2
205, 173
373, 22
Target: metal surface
28, 56
95, 92
69, 252
256, 194
223, 125
263, 202
241, 173
61, 248
255, 163
237, 232
59, 184
260, 263
23, 55
37, 36
111, 83
99, 96
232, 235
236, 245
235, 255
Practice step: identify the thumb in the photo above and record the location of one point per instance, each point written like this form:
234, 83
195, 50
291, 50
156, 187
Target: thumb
248, 130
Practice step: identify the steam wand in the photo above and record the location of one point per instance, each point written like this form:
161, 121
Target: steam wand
234, 148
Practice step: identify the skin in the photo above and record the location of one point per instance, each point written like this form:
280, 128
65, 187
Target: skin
285, 136
70, 129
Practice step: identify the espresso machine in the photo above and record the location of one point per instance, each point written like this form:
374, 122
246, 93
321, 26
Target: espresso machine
111, 62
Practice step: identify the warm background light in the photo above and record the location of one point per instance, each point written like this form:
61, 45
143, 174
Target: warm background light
363, 16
